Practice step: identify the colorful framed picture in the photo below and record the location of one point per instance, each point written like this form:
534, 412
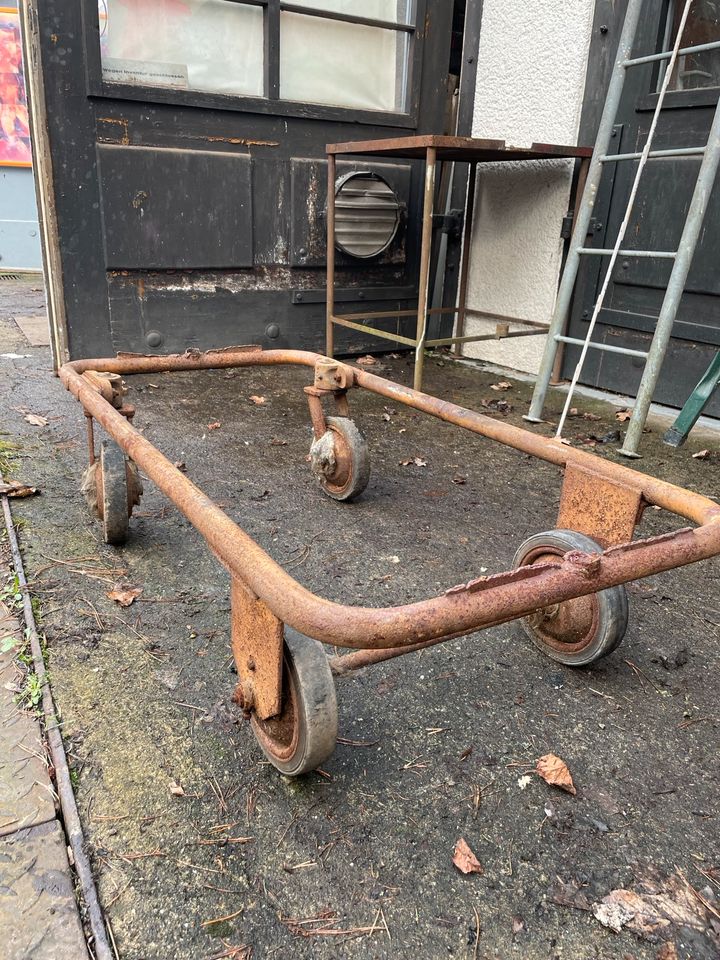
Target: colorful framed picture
14, 126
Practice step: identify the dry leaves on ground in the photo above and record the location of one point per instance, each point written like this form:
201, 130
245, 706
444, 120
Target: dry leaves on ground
258, 401
215, 425
414, 461
654, 911
701, 455
501, 385
554, 771
16, 489
465, 860
623, 415
574, 412
36, 420
367, 361
125, 596
175, 789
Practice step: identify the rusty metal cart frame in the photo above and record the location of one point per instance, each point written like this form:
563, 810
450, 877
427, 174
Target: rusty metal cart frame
566, 585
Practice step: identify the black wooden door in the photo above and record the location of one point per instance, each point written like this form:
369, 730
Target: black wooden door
185, 149
638, 285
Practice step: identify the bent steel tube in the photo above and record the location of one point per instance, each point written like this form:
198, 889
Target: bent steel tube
483, 602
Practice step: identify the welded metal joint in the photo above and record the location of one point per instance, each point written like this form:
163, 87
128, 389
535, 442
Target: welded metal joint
588, 564
331, 375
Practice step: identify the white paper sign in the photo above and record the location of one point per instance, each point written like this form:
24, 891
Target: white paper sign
174, 75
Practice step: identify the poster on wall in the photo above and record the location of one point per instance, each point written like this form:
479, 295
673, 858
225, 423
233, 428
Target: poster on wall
14, 126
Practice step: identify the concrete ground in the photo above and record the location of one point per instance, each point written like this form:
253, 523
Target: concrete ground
202, 850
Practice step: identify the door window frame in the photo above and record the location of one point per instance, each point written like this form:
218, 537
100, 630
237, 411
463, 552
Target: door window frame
271, 103
674, 99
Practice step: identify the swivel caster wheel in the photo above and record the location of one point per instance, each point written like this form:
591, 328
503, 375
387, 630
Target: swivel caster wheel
340, 459
576, 632
303, 735
112, 487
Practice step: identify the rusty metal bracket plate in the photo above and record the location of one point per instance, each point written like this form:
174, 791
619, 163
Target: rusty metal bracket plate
257, 644
331, 375
603, 509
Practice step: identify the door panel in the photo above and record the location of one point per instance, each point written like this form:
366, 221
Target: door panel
192, 217
146, 225
638, 284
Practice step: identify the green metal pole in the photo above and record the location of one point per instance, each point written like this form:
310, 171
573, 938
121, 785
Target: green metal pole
696, 403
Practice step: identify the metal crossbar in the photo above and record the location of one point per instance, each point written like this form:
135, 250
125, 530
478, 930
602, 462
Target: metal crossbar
607, 347
682, 258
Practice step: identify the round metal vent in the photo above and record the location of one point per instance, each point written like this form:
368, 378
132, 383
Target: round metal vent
367, 215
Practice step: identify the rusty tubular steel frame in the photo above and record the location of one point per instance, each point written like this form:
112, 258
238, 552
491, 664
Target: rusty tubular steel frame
381, 633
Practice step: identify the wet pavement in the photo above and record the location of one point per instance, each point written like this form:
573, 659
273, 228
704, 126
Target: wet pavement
202, 849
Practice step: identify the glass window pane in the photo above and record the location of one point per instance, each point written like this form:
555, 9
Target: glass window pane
394, 11
696, 70
342, 64
205, 45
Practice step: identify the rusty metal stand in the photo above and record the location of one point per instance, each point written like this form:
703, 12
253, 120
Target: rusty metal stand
435, 150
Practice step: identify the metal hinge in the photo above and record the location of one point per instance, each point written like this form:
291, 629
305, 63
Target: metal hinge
450, 223
567, 225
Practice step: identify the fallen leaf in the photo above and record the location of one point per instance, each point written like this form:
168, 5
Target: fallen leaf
16, 489
501, 385
35, 420
554, 771
258, 401
277, 442
175, 789
701, 455
568, 893
653, 909
125, 596
613, 912
623, 415
367, 361
215, 425
415, 461
465, 860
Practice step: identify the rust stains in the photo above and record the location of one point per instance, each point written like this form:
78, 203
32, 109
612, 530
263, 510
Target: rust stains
121, 122
240, 141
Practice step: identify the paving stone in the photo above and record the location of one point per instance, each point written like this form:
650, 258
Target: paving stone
25, 794
38, 914
35, 329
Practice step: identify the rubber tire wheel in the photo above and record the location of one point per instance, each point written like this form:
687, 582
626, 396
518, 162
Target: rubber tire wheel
305, 733
359, 474
608, 608
114, 493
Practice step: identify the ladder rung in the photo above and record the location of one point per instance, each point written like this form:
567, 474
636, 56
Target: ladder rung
625, 351
600, 252
655, 154
654, 57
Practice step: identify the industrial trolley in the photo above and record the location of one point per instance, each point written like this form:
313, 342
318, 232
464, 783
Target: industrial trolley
567, 585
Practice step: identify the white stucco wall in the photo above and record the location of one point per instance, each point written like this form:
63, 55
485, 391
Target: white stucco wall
530, 83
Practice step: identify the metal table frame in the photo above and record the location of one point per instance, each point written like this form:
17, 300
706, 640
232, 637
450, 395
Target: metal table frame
435, 150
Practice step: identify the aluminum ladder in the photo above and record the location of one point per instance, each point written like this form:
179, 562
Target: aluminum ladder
682, 257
